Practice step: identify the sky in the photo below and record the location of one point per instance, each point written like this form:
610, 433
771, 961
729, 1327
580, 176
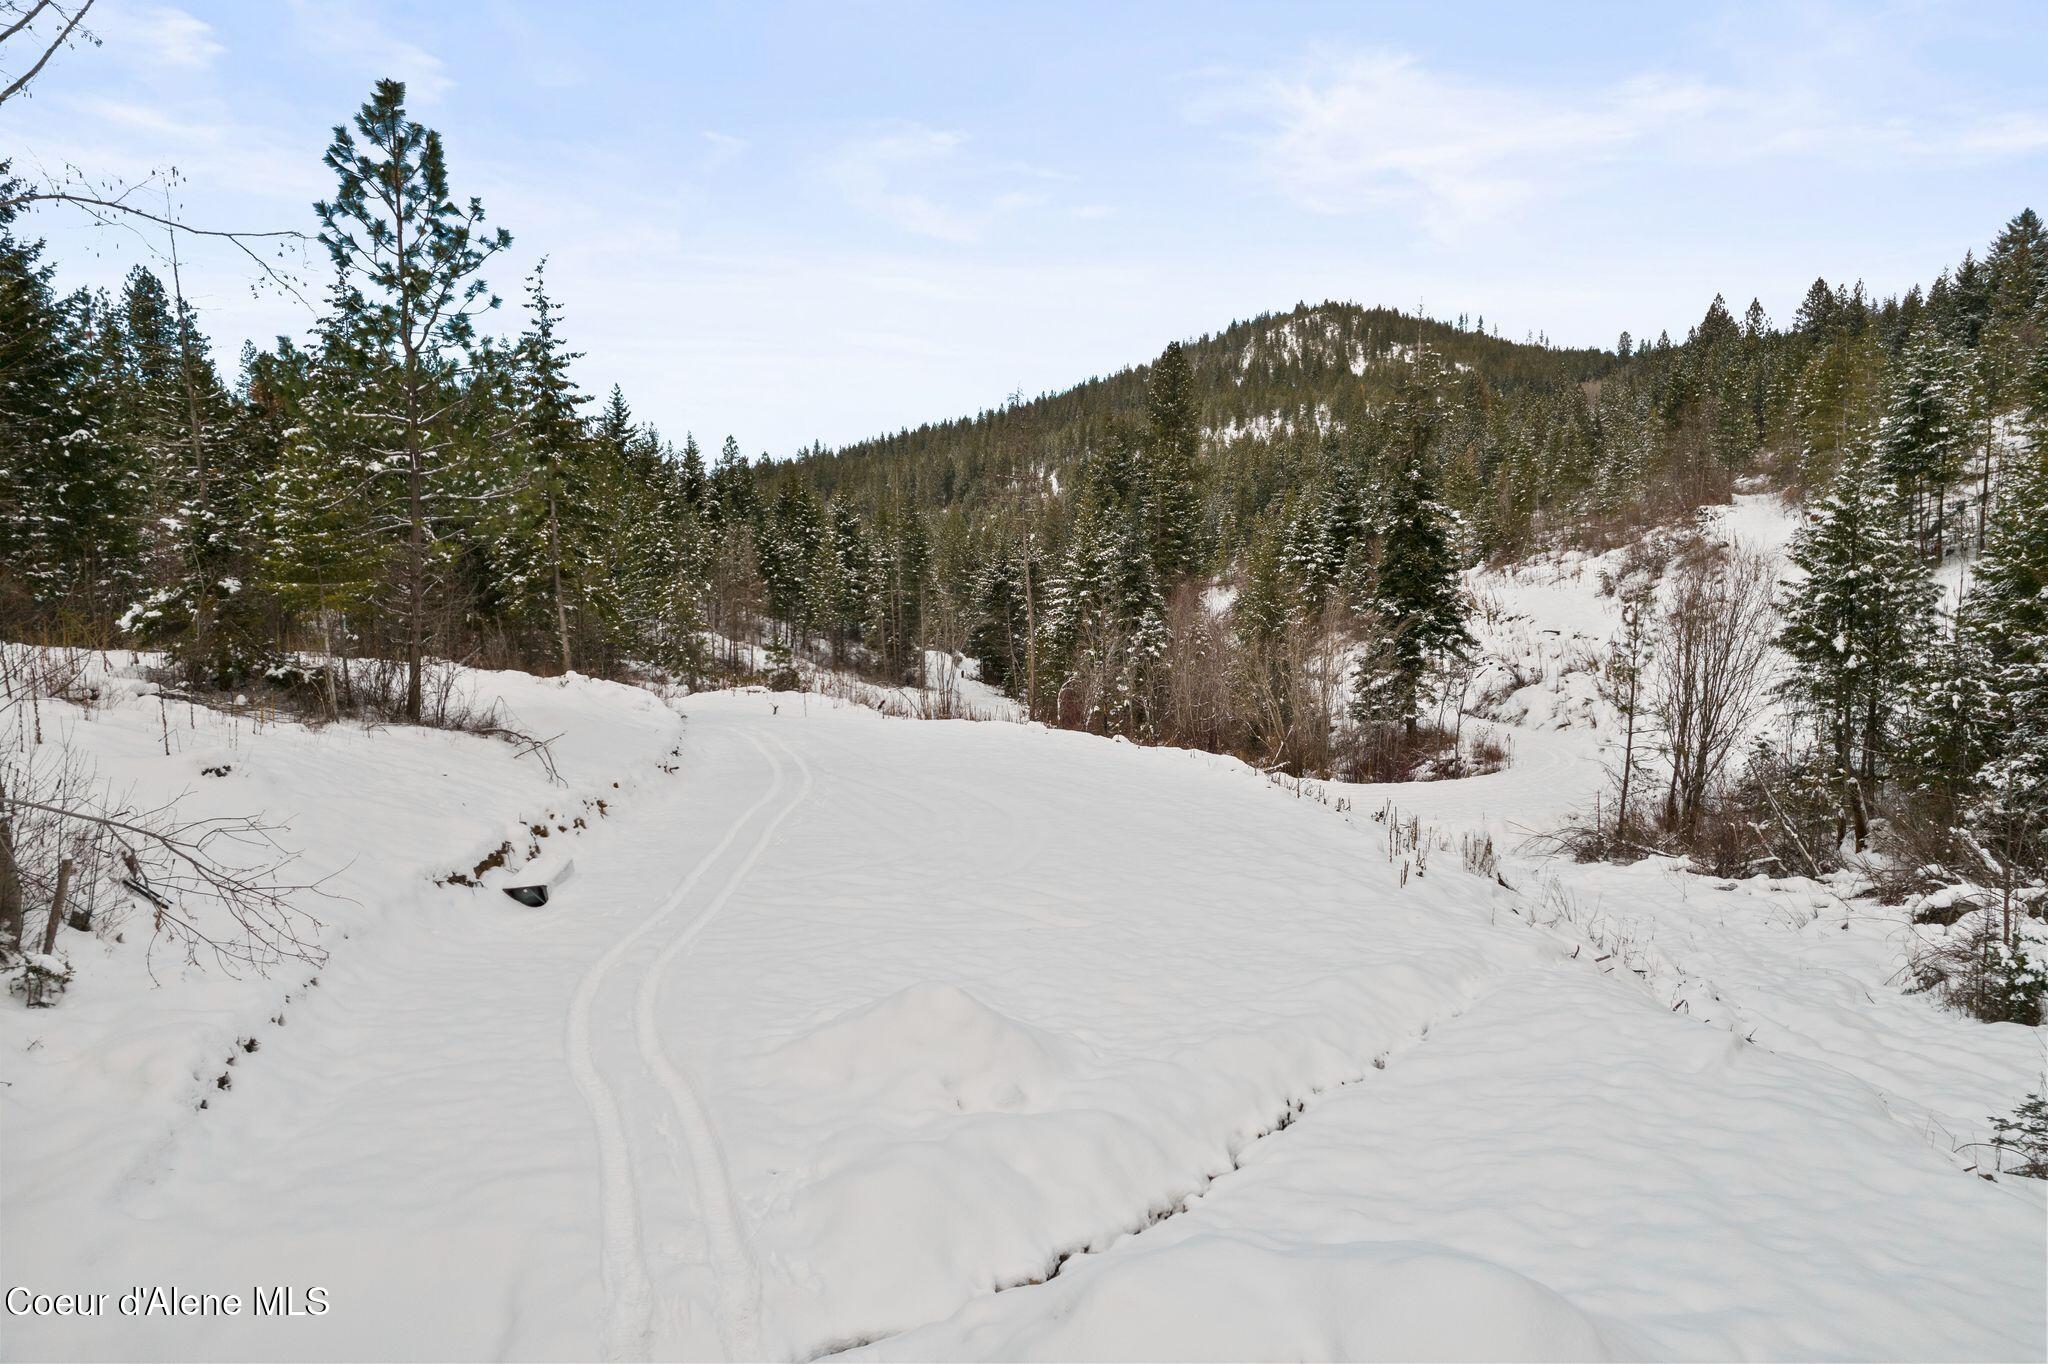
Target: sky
798, 223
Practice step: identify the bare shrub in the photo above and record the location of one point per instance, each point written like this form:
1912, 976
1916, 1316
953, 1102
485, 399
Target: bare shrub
1485, 753
1712, 676
1287, 692
1430, 752
1476, 852
214, 887
1196, 707
317, 688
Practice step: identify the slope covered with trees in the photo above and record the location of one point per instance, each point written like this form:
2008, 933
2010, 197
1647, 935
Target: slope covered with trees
1250, 545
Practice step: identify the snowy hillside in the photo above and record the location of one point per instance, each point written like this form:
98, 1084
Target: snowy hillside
943, 1039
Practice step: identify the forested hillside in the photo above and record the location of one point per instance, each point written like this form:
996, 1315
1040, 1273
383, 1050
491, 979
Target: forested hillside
1250, 545
1279, 381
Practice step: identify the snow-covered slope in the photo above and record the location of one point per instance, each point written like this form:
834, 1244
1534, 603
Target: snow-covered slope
955, 1040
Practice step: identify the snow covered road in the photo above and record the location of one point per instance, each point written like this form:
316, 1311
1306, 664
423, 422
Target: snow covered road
854, 1030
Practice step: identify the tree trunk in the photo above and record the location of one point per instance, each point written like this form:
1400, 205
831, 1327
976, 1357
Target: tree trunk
561, 608
10, 892
1628, 767
1030, 642
1984, 491
202, 568
415, 477
57, 907
415, 588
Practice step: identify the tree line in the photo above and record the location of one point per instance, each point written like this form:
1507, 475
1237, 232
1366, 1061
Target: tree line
1251, 544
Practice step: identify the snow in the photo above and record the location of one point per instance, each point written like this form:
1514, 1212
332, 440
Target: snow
1641, 1198
1217, 1297
933, 1039
1266, 426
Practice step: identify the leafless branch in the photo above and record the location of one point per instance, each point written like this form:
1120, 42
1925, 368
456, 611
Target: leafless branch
99, 207
21, 82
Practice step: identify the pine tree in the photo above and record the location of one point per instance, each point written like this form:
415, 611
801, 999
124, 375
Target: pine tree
71, 495
552, 500
1173, 473
2009, 621
690, 469
1263, 607
1418, 593
1923, 439
408, 260
730, 498
665, 571
845, 583
323, 560
998, 636
1950, 714
1855, 624
906, 569
1835, 398
1105, 622
790, 543
614, 427
179, 421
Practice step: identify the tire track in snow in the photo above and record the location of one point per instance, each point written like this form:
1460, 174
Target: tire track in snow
628, 1287
739, 1275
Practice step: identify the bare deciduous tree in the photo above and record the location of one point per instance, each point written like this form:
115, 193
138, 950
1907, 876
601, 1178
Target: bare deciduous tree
1712, 677
32, 32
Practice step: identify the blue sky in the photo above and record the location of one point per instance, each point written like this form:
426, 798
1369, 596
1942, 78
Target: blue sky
798, 222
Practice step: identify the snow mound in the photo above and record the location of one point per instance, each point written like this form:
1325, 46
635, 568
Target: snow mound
1224, 1298
932, 1046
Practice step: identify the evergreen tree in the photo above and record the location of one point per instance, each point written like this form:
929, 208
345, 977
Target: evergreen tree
665, 572
1923, 438
179, 421
408, 260
556, 530
2009, 626
614, 429
792, 535
1418, 593
1104, 623
1950, 715
71, 498
906, 569
690, 469
1174, 490
321, 560
1855, 624
848, 579
730, 498
1000, 633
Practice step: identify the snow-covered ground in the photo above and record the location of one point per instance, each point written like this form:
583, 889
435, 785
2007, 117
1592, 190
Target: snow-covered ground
937, 1040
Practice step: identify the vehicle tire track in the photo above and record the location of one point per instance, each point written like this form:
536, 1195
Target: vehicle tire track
628, 1288
738, 1273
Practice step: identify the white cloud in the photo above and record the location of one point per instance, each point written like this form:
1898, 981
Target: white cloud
870, 172
722, 148
1380, 128
922, 181
1349, 132
343, 32
157, 37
